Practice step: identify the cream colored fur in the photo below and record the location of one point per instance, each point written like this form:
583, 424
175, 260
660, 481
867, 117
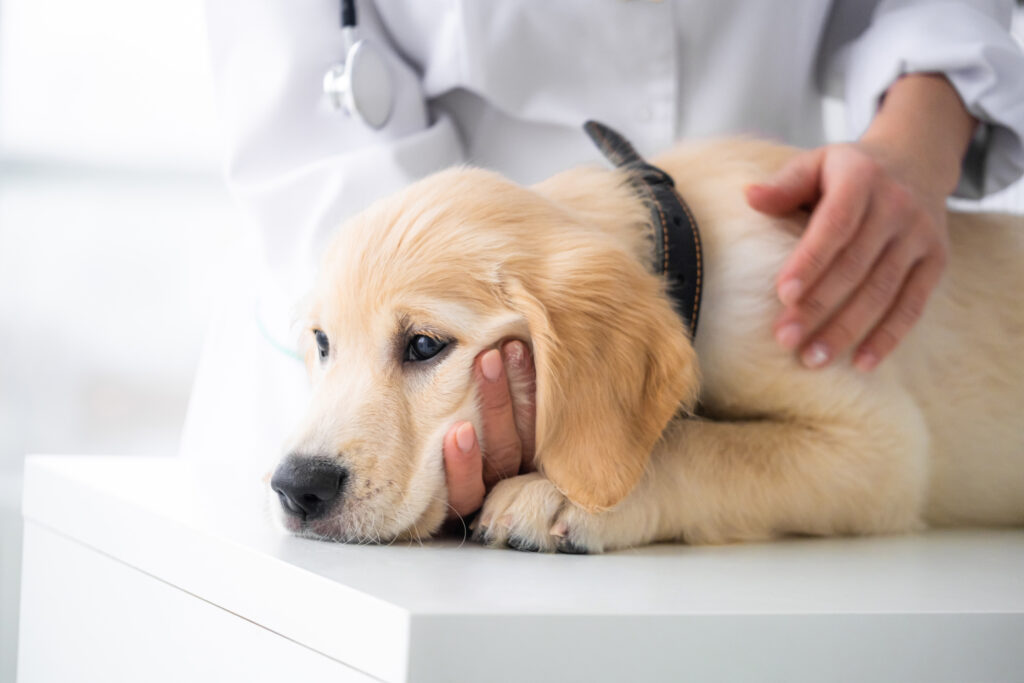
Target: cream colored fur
934, 436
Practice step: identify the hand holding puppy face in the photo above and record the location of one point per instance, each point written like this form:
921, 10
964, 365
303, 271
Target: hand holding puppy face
505, 380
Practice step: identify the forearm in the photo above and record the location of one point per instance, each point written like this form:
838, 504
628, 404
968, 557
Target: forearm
923, 126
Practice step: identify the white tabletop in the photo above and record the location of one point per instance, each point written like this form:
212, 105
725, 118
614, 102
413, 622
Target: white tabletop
411, 611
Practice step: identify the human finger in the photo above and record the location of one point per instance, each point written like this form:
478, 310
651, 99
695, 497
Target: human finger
833, 224
522, 383
848, 273
866, 308
502, 448
463, 470
795, 185
902, 316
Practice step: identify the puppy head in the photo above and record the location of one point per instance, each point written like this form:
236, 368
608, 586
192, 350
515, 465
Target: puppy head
418, 285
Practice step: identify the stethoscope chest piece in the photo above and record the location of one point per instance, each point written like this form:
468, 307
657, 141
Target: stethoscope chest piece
361, 85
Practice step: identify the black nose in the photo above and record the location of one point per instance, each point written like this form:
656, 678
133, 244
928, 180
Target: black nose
308, 486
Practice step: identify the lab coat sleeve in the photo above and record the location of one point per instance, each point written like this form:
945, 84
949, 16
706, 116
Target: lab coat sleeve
297, 166
968, 42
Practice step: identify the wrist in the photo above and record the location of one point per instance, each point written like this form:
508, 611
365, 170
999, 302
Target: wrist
923, 127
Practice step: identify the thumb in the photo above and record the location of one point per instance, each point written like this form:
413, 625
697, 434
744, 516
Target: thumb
794, 185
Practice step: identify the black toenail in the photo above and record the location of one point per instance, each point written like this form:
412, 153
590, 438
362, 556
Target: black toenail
520, 543
569, 548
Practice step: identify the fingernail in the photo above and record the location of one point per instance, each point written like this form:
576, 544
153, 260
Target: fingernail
560, 529
866, 361
789, 292
789, 335
514, 352
491, 365
465, 437
816, 355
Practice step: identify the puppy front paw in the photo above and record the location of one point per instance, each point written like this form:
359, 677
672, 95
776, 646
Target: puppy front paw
528, 513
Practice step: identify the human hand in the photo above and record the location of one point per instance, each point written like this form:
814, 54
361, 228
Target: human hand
876, 244
506, 384
874, 249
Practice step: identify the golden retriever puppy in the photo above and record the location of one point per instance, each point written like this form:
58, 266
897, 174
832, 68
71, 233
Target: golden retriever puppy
415, 287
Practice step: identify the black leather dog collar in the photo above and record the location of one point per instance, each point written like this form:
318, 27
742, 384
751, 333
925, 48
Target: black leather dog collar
677, 247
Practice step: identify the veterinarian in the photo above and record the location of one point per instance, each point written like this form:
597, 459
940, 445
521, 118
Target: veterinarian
934, 98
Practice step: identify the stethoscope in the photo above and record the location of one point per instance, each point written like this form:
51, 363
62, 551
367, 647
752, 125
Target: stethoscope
361, 85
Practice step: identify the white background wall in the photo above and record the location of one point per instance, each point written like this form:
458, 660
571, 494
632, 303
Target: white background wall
113, 218
107, 82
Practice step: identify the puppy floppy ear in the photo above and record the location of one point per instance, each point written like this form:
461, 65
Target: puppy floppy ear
614, 364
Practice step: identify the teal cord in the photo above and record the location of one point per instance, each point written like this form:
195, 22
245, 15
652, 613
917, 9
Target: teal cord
273, 342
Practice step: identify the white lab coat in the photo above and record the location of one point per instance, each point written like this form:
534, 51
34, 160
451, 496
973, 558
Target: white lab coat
506, 84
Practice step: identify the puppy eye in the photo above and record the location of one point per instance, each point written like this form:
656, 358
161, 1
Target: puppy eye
421, 347
321, 343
